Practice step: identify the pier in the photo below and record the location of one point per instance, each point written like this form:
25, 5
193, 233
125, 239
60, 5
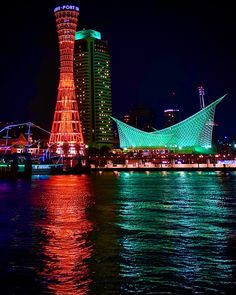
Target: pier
14, 166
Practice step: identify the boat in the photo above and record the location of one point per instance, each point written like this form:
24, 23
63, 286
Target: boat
38, 169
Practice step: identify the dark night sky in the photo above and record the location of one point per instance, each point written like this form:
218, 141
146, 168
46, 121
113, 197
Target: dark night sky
157, 48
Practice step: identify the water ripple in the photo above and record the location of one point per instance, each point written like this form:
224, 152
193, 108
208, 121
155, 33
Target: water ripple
133, 233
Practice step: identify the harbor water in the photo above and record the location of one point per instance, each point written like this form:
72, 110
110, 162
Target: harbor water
119, 233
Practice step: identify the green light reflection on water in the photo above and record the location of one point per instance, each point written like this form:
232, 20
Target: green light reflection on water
177, 220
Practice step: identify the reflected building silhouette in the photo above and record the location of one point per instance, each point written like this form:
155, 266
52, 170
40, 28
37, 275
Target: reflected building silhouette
66, 227
80, 235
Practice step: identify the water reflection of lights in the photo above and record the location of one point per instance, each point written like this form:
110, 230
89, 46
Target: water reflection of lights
116, 173
188, 211
37, 176
182, 173
65, 229
126, 174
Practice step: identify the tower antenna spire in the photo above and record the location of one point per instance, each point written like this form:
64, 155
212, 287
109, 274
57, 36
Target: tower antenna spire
201, 96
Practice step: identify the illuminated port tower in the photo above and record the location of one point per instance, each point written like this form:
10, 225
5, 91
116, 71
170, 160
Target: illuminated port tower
66, 134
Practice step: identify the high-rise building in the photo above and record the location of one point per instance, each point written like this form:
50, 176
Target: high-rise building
142, 117
93, 88
171, 117
66, 134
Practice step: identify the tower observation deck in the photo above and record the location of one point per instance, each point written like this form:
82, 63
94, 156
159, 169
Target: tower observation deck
66, 133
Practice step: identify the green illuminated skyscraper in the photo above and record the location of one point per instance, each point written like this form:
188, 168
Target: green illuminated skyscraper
93, 87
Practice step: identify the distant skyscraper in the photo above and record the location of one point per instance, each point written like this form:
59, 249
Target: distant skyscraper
171, 114
93, 88
142, 117
171, 117
127, 118
66, 134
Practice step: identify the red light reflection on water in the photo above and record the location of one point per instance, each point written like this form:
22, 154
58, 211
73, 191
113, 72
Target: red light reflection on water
65, 200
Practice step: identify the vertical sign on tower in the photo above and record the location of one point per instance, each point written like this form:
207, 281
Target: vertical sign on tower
66, 133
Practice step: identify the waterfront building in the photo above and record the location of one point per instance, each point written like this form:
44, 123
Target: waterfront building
193, 134
66, 134
93, 88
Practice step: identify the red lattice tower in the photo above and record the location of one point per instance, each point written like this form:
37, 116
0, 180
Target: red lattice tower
66, 134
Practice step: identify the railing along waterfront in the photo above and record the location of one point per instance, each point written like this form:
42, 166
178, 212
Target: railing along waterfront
151, 166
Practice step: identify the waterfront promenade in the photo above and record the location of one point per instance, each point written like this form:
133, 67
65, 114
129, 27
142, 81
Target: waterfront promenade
58, 169
17, 169
164, 167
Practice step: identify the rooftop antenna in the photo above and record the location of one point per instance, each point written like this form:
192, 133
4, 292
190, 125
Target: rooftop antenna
201, 97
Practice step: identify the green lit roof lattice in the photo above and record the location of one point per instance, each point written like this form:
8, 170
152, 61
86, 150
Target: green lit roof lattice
195, 131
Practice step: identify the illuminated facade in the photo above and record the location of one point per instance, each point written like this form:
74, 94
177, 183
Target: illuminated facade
66, 134
191, 134
93, 88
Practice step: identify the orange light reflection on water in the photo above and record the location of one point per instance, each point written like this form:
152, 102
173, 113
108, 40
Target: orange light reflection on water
65, 200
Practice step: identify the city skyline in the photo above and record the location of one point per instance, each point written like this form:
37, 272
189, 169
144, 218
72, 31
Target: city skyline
157, 50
